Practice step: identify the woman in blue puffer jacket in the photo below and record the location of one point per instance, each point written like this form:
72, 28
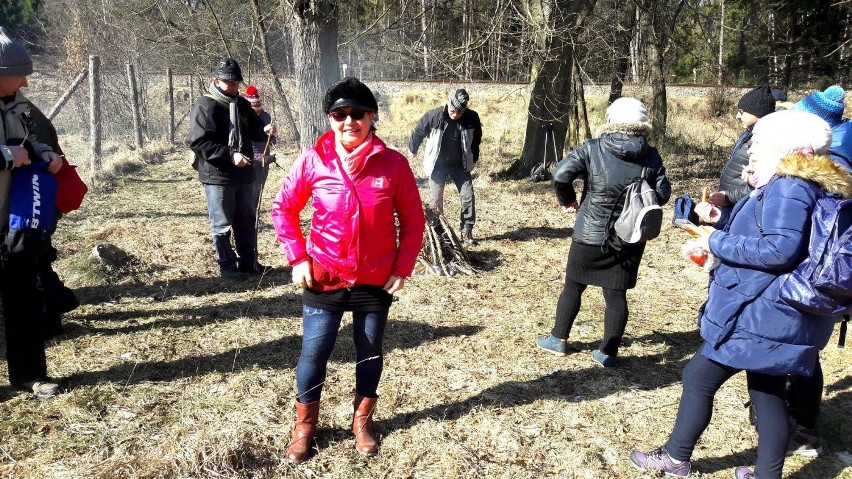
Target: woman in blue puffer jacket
744, 324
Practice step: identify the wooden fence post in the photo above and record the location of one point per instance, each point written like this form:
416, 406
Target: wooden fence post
134, 97
171, 106
95, 111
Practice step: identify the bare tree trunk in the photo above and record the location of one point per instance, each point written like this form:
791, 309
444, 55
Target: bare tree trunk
134, 103
792, 12
219, 28
626, 25
773, 69
637, 44
659, 104
499, 48
551, 82
314, 28
468, 38
290, 123
424, 37
721, 42
660, 19
582, 111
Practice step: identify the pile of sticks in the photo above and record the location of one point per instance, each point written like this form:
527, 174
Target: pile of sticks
443, 252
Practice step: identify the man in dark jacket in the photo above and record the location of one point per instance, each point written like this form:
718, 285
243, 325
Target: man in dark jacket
21, 287
222, 128
453, 133
755, 104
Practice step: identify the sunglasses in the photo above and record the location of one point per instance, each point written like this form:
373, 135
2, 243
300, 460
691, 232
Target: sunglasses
340, 115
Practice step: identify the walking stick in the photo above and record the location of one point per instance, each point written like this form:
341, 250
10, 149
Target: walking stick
265, 151
262, 184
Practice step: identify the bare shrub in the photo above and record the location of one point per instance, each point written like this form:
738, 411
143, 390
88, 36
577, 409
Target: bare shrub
125, 164
720, 101
410, 98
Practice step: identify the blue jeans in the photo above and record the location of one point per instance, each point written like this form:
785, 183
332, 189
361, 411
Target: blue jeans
701, 379
231, 208
320, 334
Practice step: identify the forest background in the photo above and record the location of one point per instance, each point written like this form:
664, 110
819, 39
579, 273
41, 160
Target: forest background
556, 47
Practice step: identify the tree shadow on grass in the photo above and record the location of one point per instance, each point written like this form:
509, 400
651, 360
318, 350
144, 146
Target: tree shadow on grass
286, 305
529, 233
154, 215
484, 260
577, 385
278, 354
191, 286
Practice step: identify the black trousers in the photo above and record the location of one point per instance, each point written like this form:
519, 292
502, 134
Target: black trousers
805, 397
701, 379
26, 318
615, 316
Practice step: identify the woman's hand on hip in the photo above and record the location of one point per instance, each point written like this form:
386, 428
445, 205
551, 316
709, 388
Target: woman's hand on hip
302, 274
394, 284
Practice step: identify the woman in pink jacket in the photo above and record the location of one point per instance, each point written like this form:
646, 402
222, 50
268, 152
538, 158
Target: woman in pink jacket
354, 258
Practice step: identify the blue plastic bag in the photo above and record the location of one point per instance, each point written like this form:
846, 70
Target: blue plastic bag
32, 210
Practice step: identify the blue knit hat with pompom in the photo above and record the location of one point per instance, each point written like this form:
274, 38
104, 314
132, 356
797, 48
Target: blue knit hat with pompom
827, 104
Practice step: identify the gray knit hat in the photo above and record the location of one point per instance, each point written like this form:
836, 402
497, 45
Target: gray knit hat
14, 59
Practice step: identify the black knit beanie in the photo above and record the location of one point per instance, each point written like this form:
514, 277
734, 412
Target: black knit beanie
350, 92
759, 102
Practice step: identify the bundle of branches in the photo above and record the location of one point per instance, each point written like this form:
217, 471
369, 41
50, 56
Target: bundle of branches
443, 252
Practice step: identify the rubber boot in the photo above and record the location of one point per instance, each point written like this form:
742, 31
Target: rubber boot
362, 425
304, 433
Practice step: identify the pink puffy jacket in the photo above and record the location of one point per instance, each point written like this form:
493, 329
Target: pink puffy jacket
353, 230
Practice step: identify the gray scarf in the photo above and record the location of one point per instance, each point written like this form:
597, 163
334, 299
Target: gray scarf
235, 140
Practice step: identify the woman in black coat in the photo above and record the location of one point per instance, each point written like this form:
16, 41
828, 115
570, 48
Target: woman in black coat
607, 164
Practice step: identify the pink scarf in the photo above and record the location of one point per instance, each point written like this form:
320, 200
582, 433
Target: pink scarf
353, 161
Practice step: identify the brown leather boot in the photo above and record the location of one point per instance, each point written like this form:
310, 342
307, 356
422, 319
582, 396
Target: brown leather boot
304, 433
362, 425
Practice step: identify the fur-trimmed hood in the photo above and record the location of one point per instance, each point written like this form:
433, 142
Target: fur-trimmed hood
626, 141
830, 175
639, 128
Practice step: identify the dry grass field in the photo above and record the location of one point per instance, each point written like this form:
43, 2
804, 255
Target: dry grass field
174, 373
